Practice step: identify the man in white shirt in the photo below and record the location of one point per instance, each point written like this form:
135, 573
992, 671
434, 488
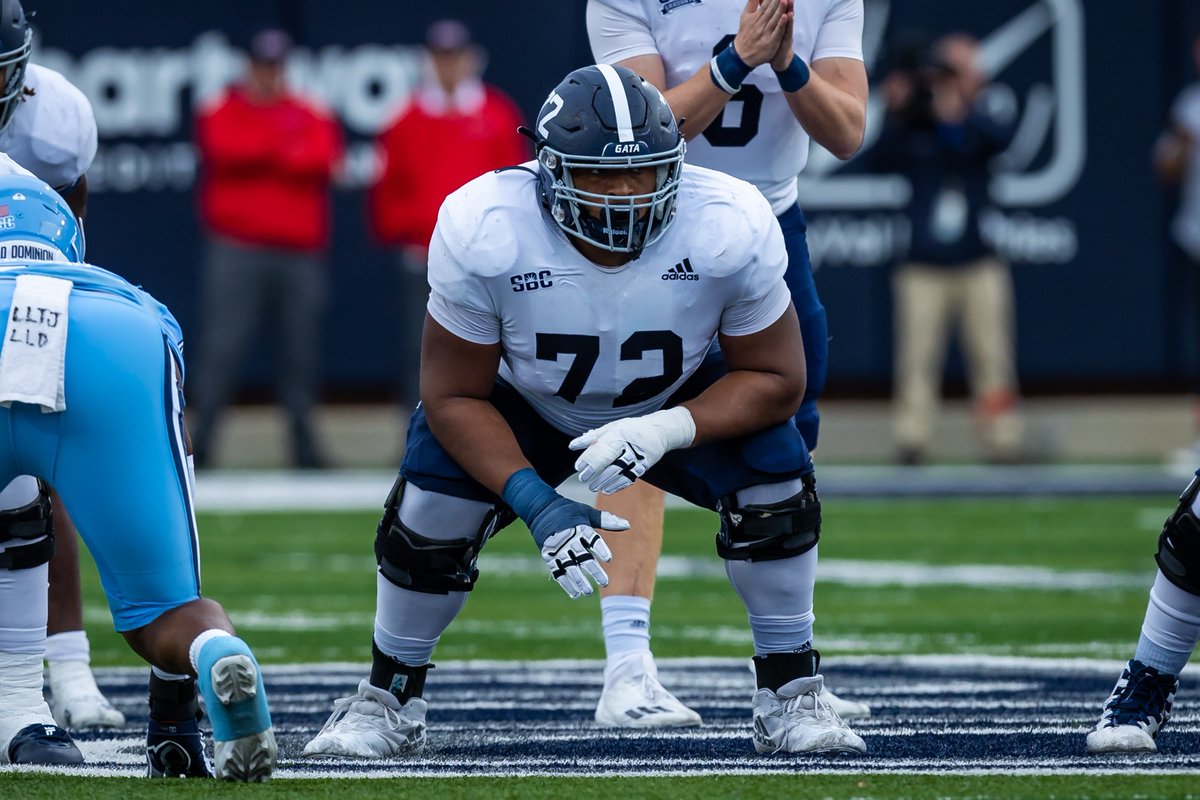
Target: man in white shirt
751, 83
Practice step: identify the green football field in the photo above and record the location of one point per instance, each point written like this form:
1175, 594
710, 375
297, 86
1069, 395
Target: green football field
1004, 577
301, 586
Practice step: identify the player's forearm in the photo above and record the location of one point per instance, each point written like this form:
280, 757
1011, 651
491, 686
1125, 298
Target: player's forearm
834, 118
744, 402
478, 439
697, 102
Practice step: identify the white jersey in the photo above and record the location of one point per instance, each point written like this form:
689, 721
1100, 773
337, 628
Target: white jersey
584, 344
53, 132
761, 141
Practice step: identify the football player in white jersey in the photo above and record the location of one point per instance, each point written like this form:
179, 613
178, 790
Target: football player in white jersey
1140, 702
47, 126
751, 81
575, 301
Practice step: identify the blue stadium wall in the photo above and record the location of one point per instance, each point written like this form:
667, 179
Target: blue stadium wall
1103, 303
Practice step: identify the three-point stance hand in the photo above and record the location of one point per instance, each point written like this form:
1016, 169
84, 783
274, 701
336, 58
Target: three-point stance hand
564, 530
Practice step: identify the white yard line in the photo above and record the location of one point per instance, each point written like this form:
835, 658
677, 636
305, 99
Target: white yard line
853, 572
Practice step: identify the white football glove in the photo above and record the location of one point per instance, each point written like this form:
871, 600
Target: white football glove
574, 551
619, 453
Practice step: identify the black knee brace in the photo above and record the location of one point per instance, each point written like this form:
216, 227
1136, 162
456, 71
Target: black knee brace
1179, 543
773, 531
30, 521
434, 566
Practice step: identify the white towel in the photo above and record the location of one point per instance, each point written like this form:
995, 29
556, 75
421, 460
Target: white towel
33, 361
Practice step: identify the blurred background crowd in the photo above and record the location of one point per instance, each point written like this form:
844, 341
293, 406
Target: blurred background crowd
272, 171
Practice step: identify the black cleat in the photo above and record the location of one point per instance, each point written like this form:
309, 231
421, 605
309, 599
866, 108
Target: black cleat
41, 743
176, 750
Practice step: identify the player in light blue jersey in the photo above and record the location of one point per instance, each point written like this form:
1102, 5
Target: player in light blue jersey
91, 377
751, 83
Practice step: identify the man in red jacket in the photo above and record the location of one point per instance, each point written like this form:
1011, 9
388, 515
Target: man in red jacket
268, 159
454, 129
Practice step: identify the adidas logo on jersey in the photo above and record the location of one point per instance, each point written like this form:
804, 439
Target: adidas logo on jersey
681, 272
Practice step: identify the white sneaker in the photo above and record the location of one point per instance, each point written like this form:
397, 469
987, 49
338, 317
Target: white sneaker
846, 709
371, 724
633, 698
76, 700
1138, 707
796, 720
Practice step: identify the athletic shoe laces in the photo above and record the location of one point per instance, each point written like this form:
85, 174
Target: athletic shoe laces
1145, 696
653, 689
809, 704
358, 713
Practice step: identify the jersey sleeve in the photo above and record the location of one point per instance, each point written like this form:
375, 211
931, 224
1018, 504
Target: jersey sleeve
65, 139
618, 30
761, 295
87, 137
841, 32
458, 300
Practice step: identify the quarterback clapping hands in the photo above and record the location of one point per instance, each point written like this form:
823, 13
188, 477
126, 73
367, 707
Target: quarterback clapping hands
617, 454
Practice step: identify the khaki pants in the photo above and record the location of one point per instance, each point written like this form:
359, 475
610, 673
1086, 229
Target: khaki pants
977, 300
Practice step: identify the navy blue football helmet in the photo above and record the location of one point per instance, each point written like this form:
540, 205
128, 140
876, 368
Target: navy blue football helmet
33, 213
16, 44
605, 117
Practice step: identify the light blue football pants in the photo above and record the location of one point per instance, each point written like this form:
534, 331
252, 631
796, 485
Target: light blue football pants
116, 454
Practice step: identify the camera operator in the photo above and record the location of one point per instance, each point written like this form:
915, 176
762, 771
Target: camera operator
941, 136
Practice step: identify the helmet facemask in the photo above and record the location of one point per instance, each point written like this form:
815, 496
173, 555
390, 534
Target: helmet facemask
12, 78
626, 223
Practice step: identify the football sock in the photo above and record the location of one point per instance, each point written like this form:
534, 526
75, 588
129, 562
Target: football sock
68, 646
626, 623
1171, 627
20, 491
408, 624
199, 642
778, 596
23, 599
20, 690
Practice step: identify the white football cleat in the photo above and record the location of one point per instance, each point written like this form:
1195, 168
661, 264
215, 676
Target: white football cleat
1138, 707
75, 699
846, 709
371, 724
796, 720
633, 698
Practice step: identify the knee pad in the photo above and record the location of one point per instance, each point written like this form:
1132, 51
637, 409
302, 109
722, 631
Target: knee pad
20, 526
1178, 553
433, 566
772, 531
